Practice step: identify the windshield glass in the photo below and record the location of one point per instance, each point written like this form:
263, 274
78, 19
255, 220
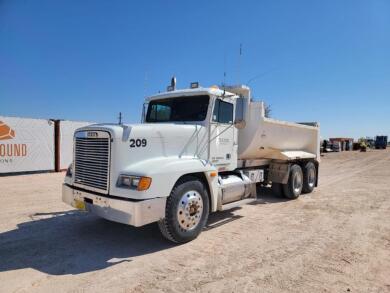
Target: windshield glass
192, 108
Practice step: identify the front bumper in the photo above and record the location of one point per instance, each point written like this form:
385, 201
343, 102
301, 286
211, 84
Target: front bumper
135, 213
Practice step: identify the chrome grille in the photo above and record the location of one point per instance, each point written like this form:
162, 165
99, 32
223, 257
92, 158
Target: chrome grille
91, 162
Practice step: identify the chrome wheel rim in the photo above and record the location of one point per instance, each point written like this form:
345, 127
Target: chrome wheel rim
297, 182
311, 177
190, 209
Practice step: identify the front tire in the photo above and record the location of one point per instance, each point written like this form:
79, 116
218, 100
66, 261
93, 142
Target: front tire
186, 211
293, 188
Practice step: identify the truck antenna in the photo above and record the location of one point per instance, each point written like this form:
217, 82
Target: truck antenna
224, 74
239, 63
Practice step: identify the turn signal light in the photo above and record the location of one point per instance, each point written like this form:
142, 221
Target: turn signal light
213, 174
144, 183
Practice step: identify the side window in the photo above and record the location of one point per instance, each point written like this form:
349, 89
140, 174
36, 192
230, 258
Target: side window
216, 111
223, 112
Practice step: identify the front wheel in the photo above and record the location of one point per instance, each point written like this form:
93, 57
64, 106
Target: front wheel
186, 211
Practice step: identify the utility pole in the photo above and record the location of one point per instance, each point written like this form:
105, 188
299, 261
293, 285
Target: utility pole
120, 118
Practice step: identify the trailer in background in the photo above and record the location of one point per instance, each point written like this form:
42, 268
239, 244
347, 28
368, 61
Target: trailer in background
36, 145
342, 143
28, 146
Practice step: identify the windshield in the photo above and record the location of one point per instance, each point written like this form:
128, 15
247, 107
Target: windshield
192, 108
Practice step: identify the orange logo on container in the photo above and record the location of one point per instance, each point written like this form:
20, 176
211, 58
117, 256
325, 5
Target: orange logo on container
6, 132
10, 150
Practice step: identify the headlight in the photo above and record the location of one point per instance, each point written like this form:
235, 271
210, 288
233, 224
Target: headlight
134, 182
69, 171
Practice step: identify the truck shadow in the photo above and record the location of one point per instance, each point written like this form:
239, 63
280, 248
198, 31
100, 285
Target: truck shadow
73, 242
266, 196
221, 218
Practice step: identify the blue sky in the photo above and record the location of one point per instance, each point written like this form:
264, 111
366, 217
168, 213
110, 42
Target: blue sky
326, 61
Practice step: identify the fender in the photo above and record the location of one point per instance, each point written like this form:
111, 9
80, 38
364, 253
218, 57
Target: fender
165, 171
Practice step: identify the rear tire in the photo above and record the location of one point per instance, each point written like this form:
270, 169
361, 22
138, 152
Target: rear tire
293, 188
186, 211
309, 177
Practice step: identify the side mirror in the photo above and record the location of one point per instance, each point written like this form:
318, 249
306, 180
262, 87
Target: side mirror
144, 110
239, 116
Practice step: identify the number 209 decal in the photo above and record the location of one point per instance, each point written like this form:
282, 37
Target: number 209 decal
138, 143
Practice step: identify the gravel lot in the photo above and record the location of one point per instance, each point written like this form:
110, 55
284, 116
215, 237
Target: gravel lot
336, 239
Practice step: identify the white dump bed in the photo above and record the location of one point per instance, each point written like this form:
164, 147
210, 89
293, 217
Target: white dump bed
266, 138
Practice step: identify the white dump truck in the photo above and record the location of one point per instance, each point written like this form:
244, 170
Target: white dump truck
197, 151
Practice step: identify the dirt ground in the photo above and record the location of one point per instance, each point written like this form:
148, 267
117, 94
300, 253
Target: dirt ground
336, 239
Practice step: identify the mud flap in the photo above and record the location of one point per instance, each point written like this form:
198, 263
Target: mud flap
279, 172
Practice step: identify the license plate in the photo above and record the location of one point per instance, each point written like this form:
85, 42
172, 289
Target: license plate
79, 204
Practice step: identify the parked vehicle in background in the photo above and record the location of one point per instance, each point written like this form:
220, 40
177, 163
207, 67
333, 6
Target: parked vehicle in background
336, 146
356, 146
326, 146
197, 151
381, 142
370, 142
363, 146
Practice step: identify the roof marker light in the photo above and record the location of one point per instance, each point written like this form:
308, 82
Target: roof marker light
194, 85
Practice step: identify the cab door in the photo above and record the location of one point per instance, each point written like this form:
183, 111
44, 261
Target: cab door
223, 136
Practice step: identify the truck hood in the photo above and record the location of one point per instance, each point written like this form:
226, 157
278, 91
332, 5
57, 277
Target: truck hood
134, 145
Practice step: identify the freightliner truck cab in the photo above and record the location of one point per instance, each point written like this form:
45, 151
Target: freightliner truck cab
187, 159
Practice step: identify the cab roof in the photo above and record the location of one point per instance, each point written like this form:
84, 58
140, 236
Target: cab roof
215, 91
